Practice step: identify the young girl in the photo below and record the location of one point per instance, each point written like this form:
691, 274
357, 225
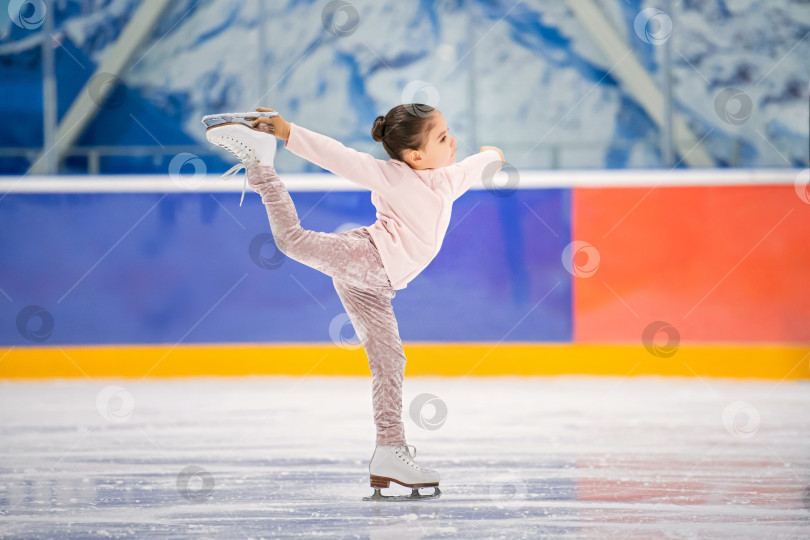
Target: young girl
413, 193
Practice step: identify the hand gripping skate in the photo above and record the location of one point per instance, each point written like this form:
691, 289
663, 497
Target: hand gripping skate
214, 119
396, 464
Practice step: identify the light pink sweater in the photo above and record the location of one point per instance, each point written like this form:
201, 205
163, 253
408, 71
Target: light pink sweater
413, 207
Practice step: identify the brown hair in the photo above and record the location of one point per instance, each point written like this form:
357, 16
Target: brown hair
405, 127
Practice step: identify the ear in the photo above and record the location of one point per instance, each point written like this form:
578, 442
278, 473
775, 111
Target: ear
413, 157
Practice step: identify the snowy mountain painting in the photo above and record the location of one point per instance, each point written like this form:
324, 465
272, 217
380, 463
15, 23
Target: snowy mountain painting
525, 76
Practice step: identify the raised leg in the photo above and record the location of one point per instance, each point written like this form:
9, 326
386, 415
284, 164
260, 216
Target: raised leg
349, 256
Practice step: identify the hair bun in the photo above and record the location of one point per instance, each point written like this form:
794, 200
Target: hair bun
378, 130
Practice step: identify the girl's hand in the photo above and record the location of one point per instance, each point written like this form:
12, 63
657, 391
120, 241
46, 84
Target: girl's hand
281, 128
483, 148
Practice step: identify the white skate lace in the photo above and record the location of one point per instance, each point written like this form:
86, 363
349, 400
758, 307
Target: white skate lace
246, 156
409, 459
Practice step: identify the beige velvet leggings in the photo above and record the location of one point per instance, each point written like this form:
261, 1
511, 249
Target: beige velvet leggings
352, 261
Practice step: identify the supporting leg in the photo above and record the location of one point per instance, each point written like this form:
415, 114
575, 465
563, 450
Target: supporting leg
375, 323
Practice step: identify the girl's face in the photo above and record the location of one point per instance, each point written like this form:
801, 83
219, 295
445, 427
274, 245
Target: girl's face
438, 151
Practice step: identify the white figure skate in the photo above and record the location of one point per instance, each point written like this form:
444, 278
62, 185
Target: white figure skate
215, 119
396, 464
252, 146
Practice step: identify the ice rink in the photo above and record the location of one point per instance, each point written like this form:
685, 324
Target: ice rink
277, 457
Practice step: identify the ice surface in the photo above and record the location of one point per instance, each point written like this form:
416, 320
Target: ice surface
287, 457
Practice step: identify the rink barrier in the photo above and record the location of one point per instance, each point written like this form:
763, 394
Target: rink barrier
423, 359
741, 310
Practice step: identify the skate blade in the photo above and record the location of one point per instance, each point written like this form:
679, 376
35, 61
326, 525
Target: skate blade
264, 127
214, 119
414, 496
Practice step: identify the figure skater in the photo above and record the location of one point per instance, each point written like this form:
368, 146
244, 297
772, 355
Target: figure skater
413, 193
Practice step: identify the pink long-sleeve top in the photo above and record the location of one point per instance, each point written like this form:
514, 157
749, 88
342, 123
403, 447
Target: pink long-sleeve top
413, 206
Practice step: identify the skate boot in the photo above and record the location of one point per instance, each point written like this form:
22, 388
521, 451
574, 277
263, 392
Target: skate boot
252, 146
396, 464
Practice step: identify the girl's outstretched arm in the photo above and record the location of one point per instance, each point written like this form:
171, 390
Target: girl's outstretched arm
483, 148
472, 170
361, 168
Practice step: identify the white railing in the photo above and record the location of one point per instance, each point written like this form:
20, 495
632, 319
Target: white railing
503, 182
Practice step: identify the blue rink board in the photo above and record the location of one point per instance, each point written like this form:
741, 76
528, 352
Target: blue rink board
164, 268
